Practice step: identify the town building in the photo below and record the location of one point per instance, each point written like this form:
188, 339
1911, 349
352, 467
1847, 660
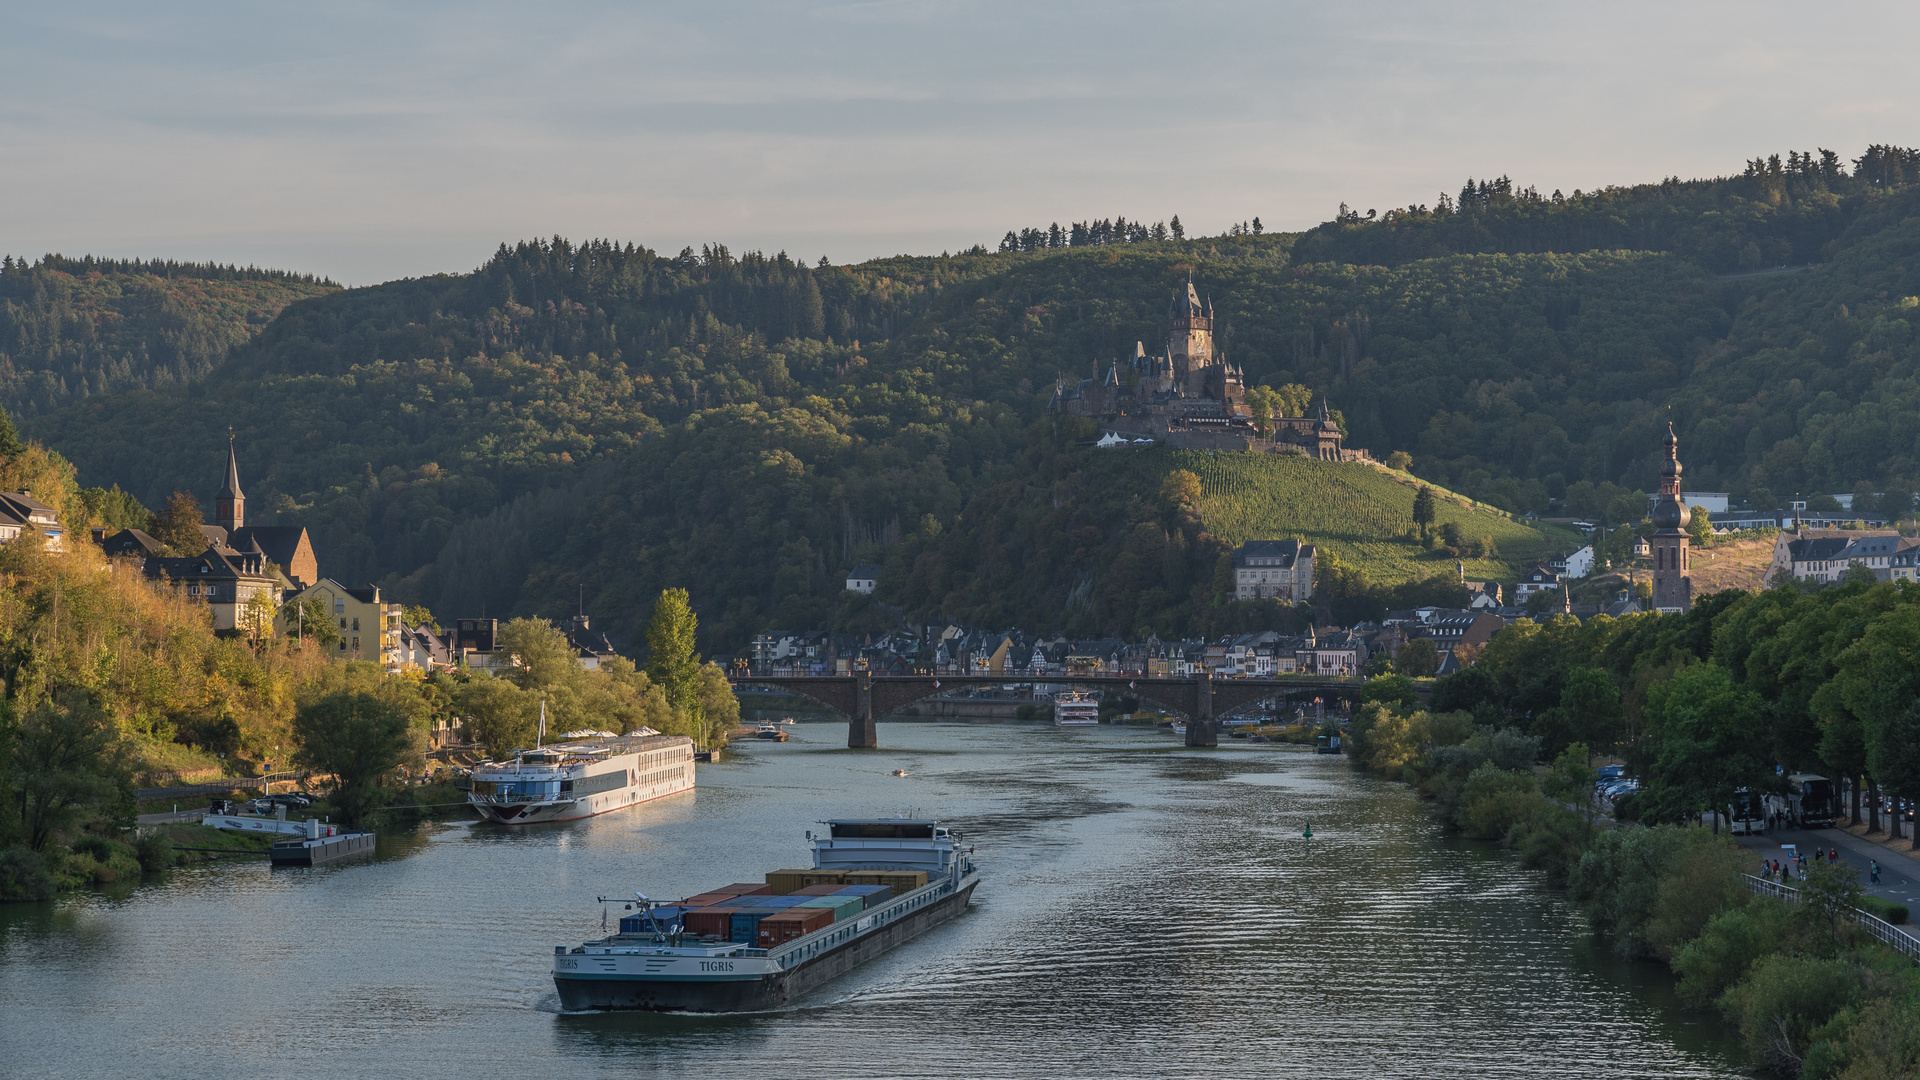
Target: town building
1273, 570
240, 588
368, 625
1823, 555
864, 578
1576, 565
21, 513
127, 544
1672, 588
1539, 578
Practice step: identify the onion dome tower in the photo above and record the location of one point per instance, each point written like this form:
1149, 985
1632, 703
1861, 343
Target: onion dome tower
1672, 589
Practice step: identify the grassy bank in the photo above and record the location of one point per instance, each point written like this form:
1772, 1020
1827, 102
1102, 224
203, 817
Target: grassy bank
1809, 994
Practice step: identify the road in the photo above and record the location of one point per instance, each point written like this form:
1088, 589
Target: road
1899, 874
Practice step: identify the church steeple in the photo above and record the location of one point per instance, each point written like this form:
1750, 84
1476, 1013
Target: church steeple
230, 505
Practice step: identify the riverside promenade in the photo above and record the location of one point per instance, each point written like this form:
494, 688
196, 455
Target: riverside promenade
1899, 871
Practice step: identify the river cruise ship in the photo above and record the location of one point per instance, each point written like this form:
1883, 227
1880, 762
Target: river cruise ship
875, 883
575, 780
1074, 708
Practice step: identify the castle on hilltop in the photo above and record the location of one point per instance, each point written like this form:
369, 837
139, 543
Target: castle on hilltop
1191, 397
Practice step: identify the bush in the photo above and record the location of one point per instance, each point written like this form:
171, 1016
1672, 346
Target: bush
1702, 881
1881, 1039
1493, 799
1728, 947
1617, 881
154, 850
24, 875
1783, 1000
1888, 910
1550, 839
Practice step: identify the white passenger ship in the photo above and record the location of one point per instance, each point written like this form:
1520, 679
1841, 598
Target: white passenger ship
1074, 708
569, 781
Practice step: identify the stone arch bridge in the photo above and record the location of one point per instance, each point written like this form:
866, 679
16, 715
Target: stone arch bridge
864, 697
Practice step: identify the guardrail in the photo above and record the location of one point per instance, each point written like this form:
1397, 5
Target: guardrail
228, 783
1887, 933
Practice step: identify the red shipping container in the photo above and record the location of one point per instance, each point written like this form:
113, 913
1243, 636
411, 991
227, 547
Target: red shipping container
709, 922
793, 923
757, 888
707, 899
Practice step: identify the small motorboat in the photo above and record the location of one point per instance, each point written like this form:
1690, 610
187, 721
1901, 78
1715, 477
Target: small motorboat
771, 732
786, 720
899, 772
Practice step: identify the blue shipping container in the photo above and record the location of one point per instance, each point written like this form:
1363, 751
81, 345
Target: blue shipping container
871, 895
746, 925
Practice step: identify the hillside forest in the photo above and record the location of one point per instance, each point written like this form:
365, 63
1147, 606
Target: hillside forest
599, 418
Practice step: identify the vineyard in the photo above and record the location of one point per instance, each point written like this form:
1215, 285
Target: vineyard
1360, 512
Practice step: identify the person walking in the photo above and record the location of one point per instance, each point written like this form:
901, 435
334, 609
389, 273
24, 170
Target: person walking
1873, 871
1833, 856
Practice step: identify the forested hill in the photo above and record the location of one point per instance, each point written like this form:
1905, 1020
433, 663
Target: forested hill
608, 416
70, 328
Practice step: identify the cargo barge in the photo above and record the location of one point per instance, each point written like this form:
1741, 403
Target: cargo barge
874, 884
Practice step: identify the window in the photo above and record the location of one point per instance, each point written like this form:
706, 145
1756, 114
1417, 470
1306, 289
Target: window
356, 644
356, 624
339, 606
343, 624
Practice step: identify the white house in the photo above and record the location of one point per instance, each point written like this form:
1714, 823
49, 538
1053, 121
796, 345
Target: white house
1580, 563
864, 578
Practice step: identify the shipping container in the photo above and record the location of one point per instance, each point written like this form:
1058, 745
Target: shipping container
746, 924
714, 922
748, 888
843, 907
777, 903
785, 926
900, 881
819, 890
782, 882
872, 894
707, 899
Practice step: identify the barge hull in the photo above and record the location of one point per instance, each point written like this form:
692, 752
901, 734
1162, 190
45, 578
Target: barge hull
584, 992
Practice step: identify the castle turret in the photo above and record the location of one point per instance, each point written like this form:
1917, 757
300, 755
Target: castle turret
1672, 589
1190, 336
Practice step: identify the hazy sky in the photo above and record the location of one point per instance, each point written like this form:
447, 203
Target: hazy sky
372, 141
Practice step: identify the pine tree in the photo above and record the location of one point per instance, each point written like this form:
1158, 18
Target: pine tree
1257, 228
1179, 231
10, 443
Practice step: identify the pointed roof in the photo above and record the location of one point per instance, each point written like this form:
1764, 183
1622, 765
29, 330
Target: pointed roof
231, 489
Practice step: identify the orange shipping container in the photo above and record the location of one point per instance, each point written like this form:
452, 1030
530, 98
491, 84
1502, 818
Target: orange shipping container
709, 922
790, 924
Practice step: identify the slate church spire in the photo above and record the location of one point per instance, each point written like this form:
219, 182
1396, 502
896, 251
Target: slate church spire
230, 506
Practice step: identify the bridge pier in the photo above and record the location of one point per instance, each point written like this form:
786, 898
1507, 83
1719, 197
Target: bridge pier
1201, 730
862, 734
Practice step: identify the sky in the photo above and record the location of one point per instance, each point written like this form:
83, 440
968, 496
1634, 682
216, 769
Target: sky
367, 142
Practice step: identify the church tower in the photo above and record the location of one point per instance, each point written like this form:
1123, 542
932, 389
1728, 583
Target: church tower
1190, 339
1672, 590
230, 506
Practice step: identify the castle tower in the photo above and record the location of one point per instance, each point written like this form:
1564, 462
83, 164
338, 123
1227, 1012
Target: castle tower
1190, 337
1672, 590
230, 506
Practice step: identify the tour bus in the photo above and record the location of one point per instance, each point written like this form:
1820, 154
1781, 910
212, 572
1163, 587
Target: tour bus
1810, 800
1749, 812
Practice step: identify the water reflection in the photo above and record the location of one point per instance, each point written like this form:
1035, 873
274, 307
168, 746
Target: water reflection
1148, 911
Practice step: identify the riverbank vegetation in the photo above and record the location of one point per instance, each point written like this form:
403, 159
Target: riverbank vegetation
1696, 705
109, 684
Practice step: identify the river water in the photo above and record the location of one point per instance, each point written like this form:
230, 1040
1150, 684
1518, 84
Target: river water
1146, 911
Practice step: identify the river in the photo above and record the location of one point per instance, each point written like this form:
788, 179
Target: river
1146, 911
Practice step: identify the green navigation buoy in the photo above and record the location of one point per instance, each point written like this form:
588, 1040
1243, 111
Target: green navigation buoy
1308, 835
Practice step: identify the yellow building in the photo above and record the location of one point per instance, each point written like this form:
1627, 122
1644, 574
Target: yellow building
369, 627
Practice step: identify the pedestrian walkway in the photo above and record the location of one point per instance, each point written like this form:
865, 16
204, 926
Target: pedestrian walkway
194, 814
1899, 877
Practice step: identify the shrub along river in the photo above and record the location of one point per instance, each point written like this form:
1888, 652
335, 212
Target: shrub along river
1147, 911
